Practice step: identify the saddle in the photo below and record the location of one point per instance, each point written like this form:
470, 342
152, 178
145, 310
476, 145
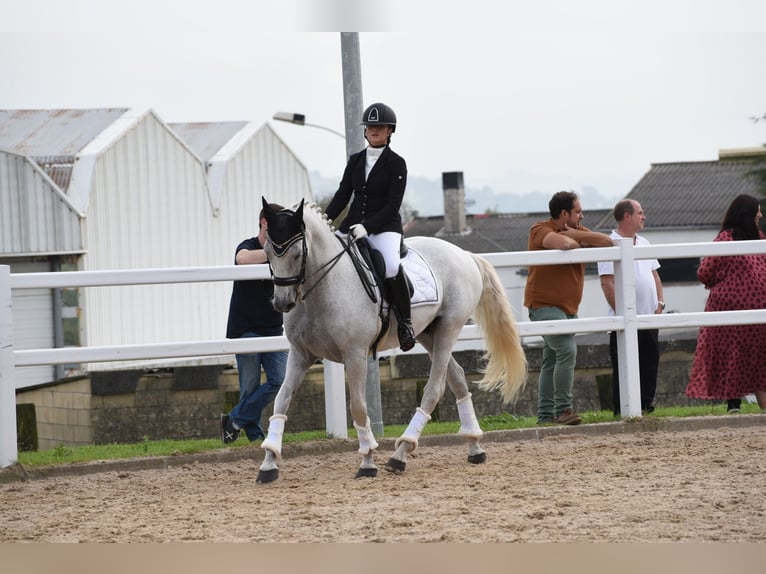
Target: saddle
370, 266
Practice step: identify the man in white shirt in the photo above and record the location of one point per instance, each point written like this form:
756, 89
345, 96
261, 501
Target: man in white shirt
630, 220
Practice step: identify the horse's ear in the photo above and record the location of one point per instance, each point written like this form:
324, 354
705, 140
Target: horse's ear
268, 213
299, 211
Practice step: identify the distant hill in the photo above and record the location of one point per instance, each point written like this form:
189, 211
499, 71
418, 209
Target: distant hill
425, 196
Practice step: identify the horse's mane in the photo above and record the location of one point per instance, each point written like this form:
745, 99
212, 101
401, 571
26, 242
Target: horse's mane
313, 212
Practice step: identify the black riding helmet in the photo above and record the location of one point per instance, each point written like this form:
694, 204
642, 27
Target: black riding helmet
379, 114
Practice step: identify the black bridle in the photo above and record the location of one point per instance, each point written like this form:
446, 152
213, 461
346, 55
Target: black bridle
281, 248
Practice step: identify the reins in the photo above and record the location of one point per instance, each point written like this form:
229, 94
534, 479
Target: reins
329, 265
300, 279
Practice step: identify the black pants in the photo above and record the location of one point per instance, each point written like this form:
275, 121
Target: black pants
648, 363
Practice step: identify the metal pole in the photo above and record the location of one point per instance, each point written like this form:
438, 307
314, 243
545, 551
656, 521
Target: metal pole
352, 91
353, 106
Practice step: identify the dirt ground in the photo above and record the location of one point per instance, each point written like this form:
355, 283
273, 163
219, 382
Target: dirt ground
694, 486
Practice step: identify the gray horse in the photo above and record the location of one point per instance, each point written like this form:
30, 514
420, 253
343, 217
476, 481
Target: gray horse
328, 314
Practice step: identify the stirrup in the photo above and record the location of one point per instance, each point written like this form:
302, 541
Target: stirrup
406, 336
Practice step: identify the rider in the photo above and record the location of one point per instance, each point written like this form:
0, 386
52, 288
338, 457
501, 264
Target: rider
377, 177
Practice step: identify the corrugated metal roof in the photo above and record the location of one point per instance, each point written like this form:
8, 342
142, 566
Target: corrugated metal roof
206, 138
53, 137
690, 194
493, 233
39, 133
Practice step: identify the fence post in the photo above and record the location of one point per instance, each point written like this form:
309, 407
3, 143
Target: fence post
627, 339
8, 440
335, 399
372, 394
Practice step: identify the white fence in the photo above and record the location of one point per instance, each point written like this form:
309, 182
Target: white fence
626, 322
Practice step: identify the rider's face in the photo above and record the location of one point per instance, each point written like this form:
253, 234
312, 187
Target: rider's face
377, 136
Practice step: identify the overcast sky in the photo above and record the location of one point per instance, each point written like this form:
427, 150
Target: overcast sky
520, 96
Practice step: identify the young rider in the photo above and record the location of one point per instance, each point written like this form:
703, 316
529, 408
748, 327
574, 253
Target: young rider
374, 182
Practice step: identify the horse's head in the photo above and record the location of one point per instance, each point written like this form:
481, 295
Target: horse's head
286, 251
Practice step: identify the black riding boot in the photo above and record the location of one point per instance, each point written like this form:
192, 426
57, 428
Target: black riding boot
399, 297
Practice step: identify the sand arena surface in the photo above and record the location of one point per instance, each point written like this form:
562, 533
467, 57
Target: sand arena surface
703, 485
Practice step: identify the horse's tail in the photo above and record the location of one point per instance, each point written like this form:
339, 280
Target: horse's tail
506, 367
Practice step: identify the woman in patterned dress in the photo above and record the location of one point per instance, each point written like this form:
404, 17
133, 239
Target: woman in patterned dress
730, 361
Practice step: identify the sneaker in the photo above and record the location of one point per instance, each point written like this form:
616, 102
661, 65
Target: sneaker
567, 418
228, 433
733, 411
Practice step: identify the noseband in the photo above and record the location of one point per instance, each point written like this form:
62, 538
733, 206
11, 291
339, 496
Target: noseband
279, 250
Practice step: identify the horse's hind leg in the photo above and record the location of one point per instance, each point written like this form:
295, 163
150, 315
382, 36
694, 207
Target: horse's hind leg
469, 425
432, 392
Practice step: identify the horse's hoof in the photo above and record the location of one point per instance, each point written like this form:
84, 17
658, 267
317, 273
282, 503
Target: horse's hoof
366, 473
267, 475
395, 465
477, 458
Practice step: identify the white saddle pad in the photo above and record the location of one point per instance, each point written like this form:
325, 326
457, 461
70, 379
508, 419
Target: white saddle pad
422, 277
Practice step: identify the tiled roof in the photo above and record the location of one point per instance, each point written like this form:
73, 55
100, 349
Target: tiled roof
492, 233
689, 194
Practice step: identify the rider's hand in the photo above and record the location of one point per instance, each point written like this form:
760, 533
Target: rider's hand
357, 231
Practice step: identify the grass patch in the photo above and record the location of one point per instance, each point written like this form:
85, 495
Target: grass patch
67, 455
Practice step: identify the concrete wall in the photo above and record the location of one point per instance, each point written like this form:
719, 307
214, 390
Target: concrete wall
63, 413
185, 403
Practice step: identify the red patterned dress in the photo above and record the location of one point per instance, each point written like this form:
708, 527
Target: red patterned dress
730, 361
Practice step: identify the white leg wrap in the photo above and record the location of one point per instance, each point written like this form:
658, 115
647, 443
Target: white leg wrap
273, 441
367, 440
469, 426
415, 428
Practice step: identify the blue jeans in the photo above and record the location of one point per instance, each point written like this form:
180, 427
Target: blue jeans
554, 387
254, 396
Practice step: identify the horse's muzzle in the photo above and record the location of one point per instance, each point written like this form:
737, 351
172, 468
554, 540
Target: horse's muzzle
284, 302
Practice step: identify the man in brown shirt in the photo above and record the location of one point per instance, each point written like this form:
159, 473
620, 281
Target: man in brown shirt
554, 292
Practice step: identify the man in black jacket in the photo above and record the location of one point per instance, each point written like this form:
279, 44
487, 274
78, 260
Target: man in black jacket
251, 314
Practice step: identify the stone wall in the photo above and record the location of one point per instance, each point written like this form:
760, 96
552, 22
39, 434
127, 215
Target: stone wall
126, 406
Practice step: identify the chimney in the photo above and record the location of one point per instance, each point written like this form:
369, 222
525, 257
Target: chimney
454, 203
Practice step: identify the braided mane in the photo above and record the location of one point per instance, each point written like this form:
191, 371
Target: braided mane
316, 210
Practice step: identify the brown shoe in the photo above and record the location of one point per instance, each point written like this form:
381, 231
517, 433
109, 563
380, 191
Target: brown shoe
567, 418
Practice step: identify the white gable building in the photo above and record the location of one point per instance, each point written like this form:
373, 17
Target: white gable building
121, 189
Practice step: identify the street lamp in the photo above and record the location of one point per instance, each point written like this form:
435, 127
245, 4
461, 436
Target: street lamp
300, 120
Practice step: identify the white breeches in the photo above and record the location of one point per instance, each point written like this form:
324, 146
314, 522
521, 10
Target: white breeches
388, 244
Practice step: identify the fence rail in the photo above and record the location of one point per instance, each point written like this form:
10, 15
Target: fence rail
626, 322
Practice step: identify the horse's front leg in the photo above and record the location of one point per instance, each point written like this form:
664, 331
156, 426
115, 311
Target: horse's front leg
356, 375
298, 362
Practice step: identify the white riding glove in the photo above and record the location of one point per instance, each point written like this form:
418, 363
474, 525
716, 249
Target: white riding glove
357, 231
